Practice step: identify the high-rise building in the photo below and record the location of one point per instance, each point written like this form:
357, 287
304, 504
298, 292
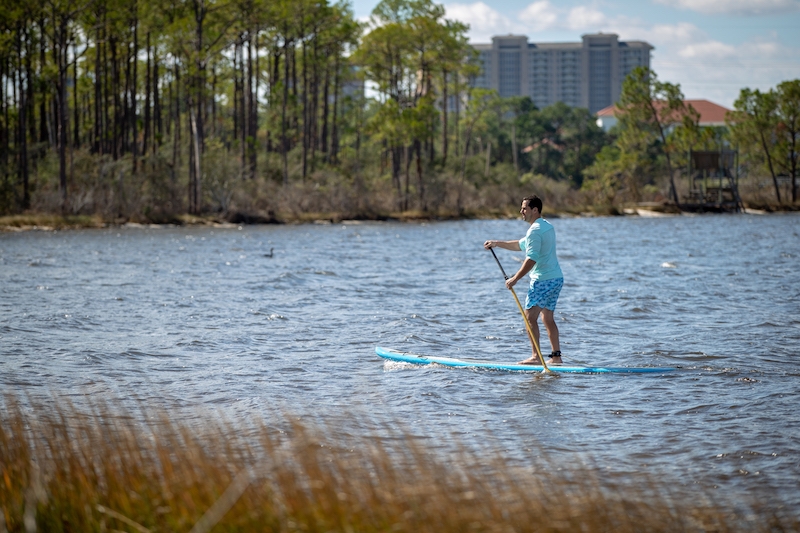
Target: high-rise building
586, 74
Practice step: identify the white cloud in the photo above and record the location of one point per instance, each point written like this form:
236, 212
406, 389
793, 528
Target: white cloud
672, 34
736, 7
767, 48
586, 18
539, 16
717, 71
709, 50
484, 21
684, 53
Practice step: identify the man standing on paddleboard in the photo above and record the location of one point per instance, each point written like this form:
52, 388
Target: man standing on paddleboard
539, 245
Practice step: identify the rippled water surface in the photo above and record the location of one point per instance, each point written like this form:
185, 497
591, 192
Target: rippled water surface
246, 320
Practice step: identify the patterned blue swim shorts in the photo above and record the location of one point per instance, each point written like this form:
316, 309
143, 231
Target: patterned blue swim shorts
544, 294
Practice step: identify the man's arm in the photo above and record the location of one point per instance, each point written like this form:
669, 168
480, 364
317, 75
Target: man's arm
508, 245
526, 267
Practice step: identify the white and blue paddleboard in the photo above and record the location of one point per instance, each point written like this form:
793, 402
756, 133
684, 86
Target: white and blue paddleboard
405, 357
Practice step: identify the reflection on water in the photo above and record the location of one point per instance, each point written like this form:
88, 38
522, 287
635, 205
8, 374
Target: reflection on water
193, 317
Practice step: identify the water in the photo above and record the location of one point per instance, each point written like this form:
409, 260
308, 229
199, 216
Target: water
199, 318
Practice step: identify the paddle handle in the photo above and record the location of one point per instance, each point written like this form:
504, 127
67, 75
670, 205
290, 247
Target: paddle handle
498, 263
522, 312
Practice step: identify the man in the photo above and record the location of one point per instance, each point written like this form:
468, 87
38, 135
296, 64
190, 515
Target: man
539, 245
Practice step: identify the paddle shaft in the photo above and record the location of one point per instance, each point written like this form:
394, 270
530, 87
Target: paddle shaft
522, 312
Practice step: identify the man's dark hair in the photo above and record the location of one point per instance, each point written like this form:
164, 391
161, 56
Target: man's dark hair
533, 201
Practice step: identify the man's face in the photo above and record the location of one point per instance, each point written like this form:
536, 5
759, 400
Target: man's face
527, 213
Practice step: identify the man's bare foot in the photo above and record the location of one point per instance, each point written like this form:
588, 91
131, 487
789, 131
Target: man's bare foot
555, 358
531, 361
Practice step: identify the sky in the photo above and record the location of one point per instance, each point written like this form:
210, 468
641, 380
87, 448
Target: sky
712, 48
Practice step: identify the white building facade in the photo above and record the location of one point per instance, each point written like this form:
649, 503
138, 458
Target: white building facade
586, 74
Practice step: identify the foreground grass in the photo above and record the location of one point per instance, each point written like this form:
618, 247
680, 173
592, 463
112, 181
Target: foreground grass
64, 469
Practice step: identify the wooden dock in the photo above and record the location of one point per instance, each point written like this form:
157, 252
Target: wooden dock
714, 178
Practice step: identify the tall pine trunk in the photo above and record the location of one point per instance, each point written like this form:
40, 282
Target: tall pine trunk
158, 126
61, 50
4, 134
323, 141
134, 115
444, 118
335, 118
284, 140
43, 135
22, 142
197, 107
306, 117
115, 82
313, 133
98, 94
147, 87
106, 107
251, 110
75, 111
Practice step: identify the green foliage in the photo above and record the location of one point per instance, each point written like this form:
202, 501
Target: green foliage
655, 129
561, 141
216, 106
788, 96
766, 128
608, 174
752, 125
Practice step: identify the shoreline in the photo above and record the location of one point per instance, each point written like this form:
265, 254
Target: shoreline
50, 222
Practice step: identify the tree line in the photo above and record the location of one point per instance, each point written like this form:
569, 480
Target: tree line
767, 127
140, 80
657, 130
138, 108
180, 103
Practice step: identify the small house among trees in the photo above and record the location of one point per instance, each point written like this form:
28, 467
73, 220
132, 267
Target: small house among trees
711, 114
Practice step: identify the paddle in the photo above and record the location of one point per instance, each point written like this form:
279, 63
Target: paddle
524, 317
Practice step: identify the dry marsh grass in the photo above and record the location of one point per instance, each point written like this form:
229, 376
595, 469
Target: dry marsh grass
49, 222
66, 470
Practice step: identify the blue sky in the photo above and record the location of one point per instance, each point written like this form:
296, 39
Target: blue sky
712, 48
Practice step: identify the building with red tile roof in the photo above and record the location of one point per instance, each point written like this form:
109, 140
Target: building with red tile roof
711, 114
